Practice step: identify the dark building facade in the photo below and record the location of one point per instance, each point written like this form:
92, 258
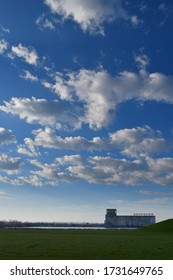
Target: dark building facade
135, 220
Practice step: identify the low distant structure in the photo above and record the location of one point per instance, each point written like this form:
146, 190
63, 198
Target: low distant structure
135, 220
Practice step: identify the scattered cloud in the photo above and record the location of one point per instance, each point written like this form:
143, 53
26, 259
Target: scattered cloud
9, 164
36, 181
28, 148
29, 54
91, 97
141, 147
44, 23
143, 6
139, 142
6, 136
3, 46
93, 89
90, 15
154, 193
4, 29
48, 139
33, 180
11, 181
106, 170
28, 76
135, 20
40, 111
100, 92
51, 171
142, 61
166, 10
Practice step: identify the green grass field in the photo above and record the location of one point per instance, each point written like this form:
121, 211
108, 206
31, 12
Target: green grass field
153, 242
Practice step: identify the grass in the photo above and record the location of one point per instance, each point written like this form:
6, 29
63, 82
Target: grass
152, 242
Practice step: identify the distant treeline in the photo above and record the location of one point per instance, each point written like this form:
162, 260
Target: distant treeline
18, 224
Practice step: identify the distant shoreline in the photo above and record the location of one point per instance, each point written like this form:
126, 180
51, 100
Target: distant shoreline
69, 228
43, 225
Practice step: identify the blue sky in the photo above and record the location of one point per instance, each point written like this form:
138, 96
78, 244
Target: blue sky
85, 109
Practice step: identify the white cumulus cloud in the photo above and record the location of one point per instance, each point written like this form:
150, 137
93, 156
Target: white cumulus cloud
40, 111
47, 138
138, 142
107, 170
91, 14
99, 92
29, 54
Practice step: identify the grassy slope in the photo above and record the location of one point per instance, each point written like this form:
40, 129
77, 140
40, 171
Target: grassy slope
162, 227
153, 242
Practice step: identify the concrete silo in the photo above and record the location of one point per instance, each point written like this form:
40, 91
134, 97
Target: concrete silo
135, 220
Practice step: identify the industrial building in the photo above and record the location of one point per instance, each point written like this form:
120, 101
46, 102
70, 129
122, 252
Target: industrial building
135, 220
